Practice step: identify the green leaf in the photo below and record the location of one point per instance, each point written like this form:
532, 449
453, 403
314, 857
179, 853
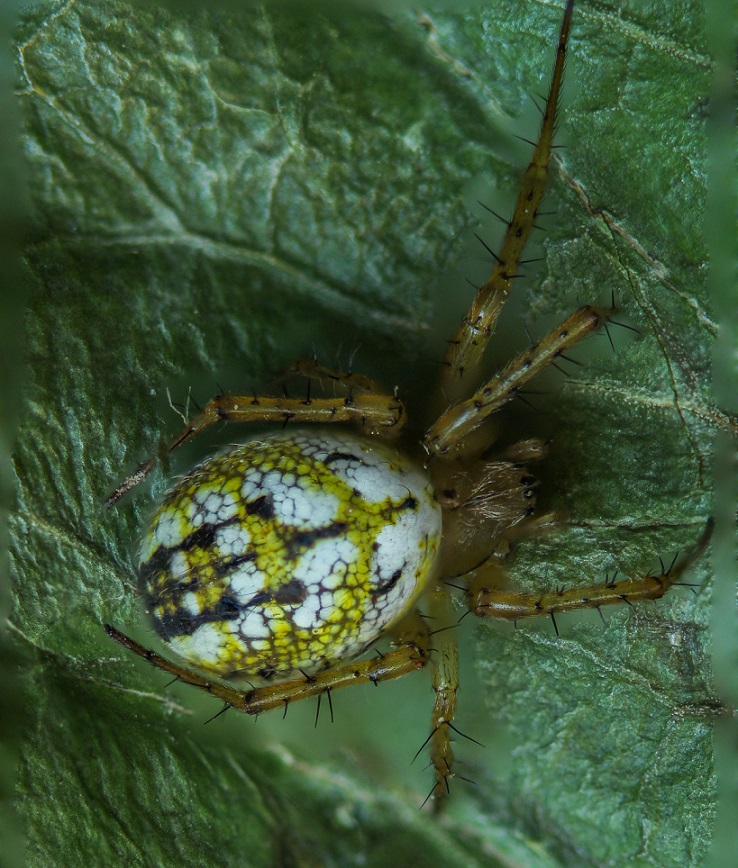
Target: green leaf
217, 192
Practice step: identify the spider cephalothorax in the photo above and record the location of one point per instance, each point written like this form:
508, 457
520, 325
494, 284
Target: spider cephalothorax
282, 560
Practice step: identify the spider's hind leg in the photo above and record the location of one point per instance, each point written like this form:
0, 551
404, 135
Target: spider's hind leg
410, 652
486, 504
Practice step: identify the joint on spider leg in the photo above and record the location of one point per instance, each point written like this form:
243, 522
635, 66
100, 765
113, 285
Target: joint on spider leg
442, 759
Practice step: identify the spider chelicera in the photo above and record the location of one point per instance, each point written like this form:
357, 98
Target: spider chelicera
279, 562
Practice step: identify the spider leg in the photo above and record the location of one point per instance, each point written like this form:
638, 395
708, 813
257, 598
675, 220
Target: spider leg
468, 343
378, 414
310, 369
445, 679
486, 504
490, 603
459, 420
410, 653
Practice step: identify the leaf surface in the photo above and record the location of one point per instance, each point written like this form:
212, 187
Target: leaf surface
217, 192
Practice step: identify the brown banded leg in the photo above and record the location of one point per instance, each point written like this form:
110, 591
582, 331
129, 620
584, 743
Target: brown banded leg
468, 344
464, 417
490, 603
382, 415
482, 501
410, 653
445, 677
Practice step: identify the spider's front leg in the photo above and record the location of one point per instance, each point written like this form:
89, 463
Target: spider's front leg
364, 405
410, 653
467, 346
461, 419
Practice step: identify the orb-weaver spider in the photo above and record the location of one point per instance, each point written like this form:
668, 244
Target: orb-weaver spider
286, 558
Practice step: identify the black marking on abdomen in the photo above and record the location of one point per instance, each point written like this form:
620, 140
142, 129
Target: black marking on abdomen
259, 599
223, 568
291, 594
203, 538
301, 540
390, 509
387, 586
182, 622
263, 507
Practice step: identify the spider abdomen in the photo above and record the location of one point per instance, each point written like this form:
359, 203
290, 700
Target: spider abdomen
289, 553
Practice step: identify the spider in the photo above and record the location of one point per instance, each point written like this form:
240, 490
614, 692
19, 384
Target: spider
280, 562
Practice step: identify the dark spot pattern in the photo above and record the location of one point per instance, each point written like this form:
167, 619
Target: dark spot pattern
385, 587
300, 541
263, 507
202, 538
182, 622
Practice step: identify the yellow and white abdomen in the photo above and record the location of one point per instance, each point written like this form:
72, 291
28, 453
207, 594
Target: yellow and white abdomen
289, 554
